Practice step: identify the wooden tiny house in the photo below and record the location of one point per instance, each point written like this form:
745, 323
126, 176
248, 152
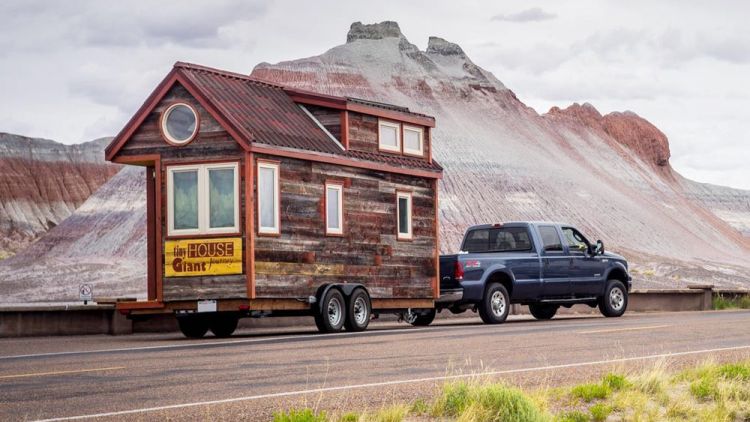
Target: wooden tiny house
266, 198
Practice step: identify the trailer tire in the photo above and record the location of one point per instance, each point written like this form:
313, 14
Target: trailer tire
495, 305
193, 326
359, 310
223, 324
332, 314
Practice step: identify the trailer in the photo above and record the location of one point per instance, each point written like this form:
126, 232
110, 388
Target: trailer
264, 200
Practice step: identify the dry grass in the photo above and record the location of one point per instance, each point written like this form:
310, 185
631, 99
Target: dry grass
706, 392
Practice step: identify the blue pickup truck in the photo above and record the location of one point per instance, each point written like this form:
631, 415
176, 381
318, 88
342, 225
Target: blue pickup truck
542, 265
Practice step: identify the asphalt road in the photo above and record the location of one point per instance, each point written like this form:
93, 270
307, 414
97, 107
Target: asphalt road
253, 374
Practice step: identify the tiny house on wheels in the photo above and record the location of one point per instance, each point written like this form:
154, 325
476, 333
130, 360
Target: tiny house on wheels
263, 200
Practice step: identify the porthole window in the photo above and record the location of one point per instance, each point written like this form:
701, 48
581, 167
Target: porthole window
179, 124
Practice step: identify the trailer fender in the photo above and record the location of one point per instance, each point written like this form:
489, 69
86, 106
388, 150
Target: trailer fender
345, 288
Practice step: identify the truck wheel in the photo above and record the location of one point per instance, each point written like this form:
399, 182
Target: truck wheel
193, 326
615, 299
223, 324
359, 310
495, 305
332, 312
543, 310
420, 319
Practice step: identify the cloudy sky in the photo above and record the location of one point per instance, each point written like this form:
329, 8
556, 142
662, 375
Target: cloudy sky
76, 70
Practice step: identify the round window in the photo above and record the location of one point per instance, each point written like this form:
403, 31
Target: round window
179, 124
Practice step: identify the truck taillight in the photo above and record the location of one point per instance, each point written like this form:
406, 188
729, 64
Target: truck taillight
458, 271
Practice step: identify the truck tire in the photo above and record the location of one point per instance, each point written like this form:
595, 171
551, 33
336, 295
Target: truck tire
359, 311
223, 324
193, 326
543, 310
332, 314
422, 319
615, 299
495, 305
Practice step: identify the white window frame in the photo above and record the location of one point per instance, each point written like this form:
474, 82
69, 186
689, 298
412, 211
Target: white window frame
276, 229
203, 199
340, 189
420, 131
408, 196
390, 124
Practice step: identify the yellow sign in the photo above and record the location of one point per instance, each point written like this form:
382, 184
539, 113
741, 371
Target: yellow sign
191, 257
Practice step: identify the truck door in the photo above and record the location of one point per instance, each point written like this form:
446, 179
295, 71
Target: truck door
586, 271
555, 264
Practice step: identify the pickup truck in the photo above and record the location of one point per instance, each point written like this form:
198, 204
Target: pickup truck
539, 264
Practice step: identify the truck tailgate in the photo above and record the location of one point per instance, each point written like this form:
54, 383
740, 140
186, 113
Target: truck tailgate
447, 270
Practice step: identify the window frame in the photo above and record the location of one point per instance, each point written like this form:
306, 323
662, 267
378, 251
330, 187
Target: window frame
575, 231
394, 125
204, 204
415, 152
410, 214
546, 251
163, 124
338, 186
268, 230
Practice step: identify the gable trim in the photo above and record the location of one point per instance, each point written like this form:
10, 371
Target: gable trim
153, 100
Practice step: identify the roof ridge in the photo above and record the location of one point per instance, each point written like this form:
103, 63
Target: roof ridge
225, 73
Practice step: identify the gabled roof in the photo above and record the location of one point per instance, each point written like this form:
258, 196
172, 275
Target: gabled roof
258, 112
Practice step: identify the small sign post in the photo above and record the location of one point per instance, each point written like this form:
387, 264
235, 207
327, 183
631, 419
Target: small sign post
86, 293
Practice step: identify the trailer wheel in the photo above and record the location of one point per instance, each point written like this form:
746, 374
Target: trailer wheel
223, 324
332, 313
543, 310
193, 326
495, 305
359, 311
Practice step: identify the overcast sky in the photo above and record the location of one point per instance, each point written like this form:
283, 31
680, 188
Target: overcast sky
75, 70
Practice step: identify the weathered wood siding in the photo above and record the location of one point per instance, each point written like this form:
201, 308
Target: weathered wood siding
363, 134
302, 258
329, 118
212, 143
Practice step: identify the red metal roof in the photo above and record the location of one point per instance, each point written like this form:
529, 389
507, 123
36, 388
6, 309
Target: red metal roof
260, 112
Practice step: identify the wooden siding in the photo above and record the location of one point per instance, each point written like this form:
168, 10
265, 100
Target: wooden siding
205, 287
302, 258
328, 117
363, 134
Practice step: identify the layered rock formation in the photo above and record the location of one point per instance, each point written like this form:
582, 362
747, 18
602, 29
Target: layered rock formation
609, 175
42, 182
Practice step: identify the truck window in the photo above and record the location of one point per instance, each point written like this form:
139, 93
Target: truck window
575, 240
505, 239
550, 239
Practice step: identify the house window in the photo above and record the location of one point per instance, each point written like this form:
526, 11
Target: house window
403, 213
179, 124
334, 209
413, 140
389, 136
268, 198
202, 199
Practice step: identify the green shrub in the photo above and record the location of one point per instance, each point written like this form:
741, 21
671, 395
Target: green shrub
390, 414
304, 415
349, 417
503, 403
454, 399
615, 382
736, 371
704, 388
721, 302
589, 392
600, 412
419, 407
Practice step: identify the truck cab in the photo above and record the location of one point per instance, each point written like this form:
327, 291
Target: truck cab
540, 264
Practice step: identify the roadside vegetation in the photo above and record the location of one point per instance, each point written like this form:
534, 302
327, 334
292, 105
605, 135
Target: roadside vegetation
706, 392
731, 302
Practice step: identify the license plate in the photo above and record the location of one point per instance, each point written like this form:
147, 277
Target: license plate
206, 306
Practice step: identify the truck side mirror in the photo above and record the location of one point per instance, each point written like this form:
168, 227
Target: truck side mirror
599, 249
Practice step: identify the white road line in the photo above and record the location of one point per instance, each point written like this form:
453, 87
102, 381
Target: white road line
388, 383
74, 371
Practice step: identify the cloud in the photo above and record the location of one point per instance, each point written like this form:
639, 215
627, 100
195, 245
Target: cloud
535, 14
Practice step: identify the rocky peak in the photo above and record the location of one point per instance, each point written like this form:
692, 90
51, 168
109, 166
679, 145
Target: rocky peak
437, 45
375, 31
